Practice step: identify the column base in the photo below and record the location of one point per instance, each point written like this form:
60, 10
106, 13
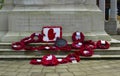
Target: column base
17, 36
111, 27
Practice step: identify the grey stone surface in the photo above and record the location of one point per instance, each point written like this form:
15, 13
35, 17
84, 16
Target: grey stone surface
49, 2
111, 27
79, 15
87, 68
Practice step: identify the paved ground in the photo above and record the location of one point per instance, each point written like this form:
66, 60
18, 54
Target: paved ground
83, 68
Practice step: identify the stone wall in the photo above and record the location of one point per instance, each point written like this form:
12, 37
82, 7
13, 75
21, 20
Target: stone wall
51, 2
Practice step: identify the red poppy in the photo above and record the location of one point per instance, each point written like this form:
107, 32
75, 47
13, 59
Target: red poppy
89, 44
18, 46
49, 60
27, 40
36, 37
47, 47
51, 34
73, 57
63, 60
78, 36
77, 45
35, 61
87, 52
30, 48
101, 44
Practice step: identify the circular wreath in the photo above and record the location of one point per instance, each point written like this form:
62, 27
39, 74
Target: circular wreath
36, 37
87, 52
77, 45
49, 60
72, 57
89, 44
47, 47
101, 44
78, 36
63, 60
18, 46
30, 48
27, 40
35, 61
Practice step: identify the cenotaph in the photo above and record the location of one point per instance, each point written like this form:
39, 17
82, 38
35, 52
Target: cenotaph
20, 18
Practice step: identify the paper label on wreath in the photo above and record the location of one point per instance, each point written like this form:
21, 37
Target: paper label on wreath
15, 46
47, 47
59, 59
86, 52
102, 42
49, 57
74, 61
36, 34
38, 60
79, 43
78, 36
51, 33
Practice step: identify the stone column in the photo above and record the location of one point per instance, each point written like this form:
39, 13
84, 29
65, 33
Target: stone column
111, 25
113, 11
102, 5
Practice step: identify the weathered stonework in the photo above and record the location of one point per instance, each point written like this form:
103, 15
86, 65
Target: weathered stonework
24, 18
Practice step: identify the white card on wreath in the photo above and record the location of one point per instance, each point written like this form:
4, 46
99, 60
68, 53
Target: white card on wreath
51, 33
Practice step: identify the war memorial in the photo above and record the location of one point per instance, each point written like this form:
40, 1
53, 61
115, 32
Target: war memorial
57, 38
19, 18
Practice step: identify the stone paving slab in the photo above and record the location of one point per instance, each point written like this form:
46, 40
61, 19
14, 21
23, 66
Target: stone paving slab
83, 68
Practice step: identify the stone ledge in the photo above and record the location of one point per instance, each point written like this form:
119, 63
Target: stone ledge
59, 56
102, 50
17, 36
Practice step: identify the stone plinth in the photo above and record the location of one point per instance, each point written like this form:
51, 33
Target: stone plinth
73, 15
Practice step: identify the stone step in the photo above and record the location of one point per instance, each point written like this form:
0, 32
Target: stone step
114, 43
8, 45
110, 51
59, 56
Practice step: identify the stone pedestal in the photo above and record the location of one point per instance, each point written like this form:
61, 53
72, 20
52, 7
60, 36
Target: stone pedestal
73, 15
111, 27
112, 24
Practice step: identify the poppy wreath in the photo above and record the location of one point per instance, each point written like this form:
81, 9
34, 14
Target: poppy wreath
87, 52
35, 61
89, 44
77, 45
78, 36
66, 48
49, 60
63, 61
27, 40
36, 37
18, 46
101, 44
47, 47
30, 48
73, 57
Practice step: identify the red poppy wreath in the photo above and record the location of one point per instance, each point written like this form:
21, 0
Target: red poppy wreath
49, 60
78, 36
18, 46
101, 44
36, 37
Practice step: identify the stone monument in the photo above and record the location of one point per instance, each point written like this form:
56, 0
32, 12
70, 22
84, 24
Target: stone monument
20, 18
